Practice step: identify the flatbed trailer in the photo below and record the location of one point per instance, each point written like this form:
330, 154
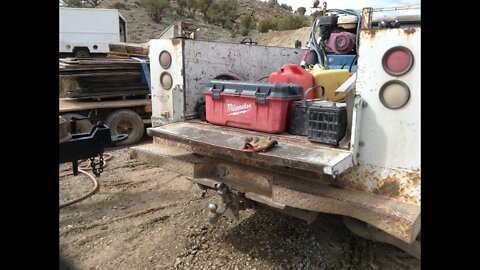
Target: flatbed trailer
122, 115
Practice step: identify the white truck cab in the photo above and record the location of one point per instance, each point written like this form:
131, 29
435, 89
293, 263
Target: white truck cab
86, 31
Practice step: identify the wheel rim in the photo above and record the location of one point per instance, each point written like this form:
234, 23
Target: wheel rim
124, 127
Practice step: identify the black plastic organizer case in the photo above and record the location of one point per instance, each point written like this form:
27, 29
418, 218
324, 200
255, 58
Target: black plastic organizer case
327, 122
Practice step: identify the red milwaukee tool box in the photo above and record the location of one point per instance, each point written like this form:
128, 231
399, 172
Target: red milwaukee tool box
250, 105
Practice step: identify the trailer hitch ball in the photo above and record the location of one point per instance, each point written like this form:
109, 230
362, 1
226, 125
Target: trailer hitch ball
212, 207
216, 211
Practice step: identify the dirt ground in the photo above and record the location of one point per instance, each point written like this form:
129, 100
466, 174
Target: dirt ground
145, 217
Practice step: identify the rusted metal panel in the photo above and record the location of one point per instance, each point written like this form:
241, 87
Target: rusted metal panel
229, 143
204, 60
367, 18
398, 184
264, 199
245, 160
366, 231
280, 190
398, 219
69, 105
172, 158
247, 178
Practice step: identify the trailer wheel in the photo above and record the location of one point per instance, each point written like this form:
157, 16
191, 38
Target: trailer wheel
126, 122
83, 126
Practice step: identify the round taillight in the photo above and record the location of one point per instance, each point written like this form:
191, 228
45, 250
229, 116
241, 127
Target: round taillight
394, 94
166, 80
165, 59
397, 61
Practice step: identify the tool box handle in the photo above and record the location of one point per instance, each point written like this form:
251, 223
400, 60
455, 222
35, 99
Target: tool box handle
304, 101
261, 98
248, 42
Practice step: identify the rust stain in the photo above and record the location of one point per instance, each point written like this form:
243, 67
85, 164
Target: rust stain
176, 41
414, 178
389, 188
360, 186
343, 182
409, 31
370, 32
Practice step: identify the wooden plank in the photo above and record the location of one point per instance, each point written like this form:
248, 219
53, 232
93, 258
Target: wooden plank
69, 105
101, 77
123, 94
106, 74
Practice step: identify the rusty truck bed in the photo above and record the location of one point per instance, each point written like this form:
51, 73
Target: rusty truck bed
291, 175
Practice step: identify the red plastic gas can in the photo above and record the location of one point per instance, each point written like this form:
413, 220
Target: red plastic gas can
293, 73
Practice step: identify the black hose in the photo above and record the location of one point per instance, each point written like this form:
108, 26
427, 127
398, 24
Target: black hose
262, 78
351, 64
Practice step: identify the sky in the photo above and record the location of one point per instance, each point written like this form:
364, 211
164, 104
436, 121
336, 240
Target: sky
351, 4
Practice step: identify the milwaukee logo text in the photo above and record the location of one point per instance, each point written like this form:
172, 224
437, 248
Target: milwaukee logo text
233, 109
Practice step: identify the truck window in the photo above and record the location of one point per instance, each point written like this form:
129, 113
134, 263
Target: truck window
123, 36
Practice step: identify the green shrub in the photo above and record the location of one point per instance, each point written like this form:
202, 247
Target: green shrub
265, 25
191, 5
287, 7
272, 3
301, 10
291, 22
222, 13
244, 32
155, 8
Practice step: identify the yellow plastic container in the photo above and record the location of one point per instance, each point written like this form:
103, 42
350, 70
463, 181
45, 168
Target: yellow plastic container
330, 79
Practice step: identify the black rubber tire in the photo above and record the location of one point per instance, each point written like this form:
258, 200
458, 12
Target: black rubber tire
83, 126
82, 54
126, 122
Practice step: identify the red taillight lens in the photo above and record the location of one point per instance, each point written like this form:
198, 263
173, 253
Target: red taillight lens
165, 59
397, 61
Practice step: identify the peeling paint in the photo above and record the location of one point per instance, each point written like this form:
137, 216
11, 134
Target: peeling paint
401, 185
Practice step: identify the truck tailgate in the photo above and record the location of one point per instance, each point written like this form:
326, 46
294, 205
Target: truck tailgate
226, 142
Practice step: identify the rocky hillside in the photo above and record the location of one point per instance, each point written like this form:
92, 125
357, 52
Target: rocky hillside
141, 27
282, 38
